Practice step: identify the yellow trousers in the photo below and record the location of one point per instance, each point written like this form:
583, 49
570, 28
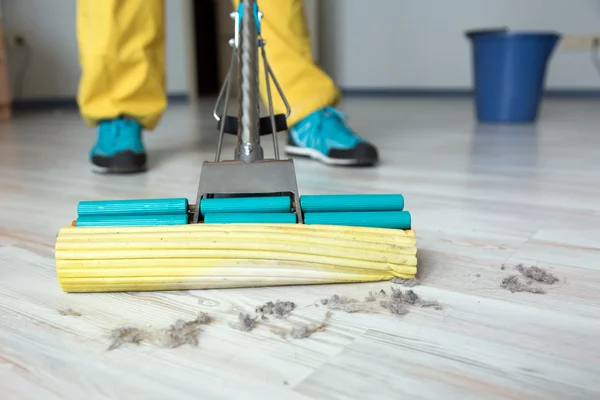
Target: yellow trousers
122, 57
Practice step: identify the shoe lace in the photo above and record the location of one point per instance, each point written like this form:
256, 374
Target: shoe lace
331, 123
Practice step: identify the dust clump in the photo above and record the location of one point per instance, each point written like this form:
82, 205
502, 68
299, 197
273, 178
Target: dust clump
537, 274
69, 312
279, 309
374, 296
181, 332
477, 275
203, 318
514, 284
245, 323
349, 305
370, 298
337, 300
395, 307
410, 297
301, 331
122, 336
395, 303
533, 273
304, 331
406, 282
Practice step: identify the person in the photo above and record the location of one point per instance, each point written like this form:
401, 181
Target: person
122, 89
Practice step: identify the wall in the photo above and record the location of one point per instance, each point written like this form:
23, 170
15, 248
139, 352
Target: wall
420, 44
409, 44
53, 68
312, 12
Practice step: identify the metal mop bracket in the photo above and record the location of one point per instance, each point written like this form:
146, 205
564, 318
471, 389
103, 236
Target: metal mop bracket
248, 173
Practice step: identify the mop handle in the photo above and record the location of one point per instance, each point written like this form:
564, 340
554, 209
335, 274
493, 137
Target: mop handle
246, 44
248, 136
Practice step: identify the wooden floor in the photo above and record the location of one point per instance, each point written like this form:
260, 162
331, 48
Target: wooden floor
483, 200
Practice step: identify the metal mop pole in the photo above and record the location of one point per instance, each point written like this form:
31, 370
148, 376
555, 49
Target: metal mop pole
248, 147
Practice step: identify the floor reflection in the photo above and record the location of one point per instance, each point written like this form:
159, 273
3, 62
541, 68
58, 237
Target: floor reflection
504, 149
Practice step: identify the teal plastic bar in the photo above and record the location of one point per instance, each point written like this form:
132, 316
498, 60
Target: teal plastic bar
132, 220
351, 202
250, 218
272, 204
372, 219
170, 206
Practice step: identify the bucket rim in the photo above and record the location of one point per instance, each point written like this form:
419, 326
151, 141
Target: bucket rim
505, 33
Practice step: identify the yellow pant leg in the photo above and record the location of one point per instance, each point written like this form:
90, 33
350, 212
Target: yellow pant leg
306, 86
121, 53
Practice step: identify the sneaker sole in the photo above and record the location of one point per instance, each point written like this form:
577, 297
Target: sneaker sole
125, 162
317, 155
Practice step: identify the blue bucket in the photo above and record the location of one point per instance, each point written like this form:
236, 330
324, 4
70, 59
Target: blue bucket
509, 73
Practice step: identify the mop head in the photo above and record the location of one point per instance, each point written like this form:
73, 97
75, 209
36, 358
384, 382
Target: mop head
137, 245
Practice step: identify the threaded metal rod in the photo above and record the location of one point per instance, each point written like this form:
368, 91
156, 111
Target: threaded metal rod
248, 144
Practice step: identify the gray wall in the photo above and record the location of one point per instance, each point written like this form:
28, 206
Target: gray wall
363, 44
396, 44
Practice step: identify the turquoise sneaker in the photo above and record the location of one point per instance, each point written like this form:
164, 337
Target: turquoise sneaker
119, 148
324, 136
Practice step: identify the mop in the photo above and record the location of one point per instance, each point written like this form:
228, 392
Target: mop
249, 226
